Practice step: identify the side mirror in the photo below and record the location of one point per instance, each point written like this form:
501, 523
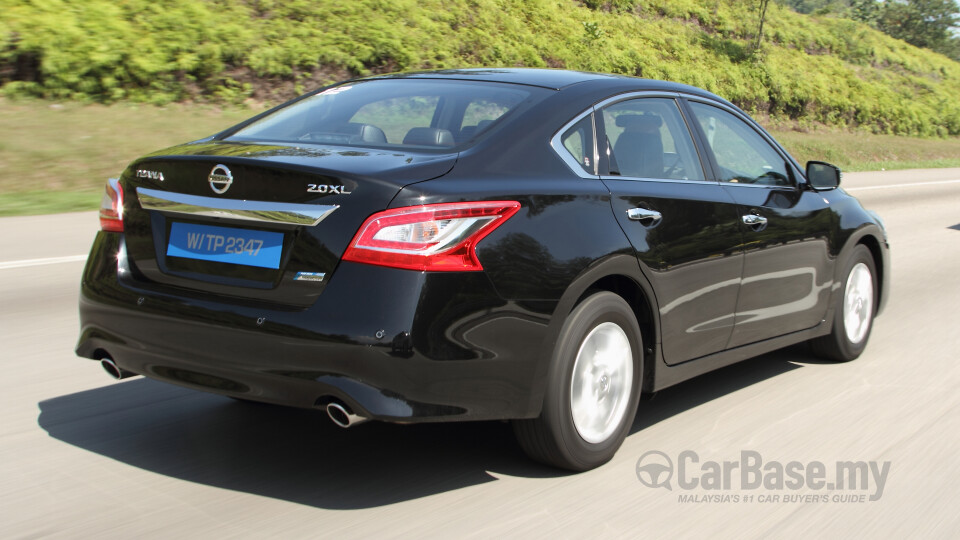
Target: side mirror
822, 176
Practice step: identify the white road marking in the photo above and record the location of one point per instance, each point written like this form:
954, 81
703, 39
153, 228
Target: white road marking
41, 262
891, 186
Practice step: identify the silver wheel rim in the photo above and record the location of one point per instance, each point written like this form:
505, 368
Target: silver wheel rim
858, 303
602, 382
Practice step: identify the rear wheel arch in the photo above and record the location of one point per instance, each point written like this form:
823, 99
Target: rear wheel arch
622, 275
593, 386
634, 294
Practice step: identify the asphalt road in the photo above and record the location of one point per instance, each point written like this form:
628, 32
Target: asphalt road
83, 456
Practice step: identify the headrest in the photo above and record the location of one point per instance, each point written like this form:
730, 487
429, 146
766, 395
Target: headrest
639, 122
427, 136
364, 132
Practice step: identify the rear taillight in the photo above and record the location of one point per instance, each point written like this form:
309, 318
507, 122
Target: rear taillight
111, 207
433, 237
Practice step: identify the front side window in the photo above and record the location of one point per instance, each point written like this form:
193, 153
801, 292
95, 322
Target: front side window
394, 113
648, 138
743, 155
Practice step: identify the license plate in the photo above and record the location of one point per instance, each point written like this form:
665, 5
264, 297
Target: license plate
225, 244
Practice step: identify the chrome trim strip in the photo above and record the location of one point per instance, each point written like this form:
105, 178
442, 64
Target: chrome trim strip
659, 180
708, 182
257, 211
758, 186
638, 94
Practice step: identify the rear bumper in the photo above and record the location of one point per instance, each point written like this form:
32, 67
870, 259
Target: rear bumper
394, 345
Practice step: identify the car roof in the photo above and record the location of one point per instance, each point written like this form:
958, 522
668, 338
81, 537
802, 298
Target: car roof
556, 79
547, 78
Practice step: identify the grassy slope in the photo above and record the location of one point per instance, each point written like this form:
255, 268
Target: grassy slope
869, 152
56, 157
811, 70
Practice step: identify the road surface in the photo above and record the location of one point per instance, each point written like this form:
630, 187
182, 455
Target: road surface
83, 456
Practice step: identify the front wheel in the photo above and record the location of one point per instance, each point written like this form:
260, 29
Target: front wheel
853, 312
593, 387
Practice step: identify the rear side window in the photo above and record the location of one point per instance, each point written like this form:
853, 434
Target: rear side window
648, 138
394, 113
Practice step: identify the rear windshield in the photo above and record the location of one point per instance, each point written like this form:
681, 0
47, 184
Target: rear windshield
394, 113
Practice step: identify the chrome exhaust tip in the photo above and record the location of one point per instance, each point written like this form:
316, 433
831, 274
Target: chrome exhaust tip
342, 416
113, 370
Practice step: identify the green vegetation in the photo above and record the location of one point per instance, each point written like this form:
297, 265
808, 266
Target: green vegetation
56, 158
810, 69
30, 203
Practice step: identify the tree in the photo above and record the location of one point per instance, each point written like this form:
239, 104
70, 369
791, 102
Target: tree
924, 23
762, 6
864, 11
931, 24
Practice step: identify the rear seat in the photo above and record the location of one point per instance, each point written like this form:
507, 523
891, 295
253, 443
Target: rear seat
639, 149
469, 131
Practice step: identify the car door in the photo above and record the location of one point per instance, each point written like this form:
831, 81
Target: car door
787, 271
683, 227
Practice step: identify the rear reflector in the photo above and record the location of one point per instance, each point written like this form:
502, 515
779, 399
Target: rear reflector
111, 207
433, 237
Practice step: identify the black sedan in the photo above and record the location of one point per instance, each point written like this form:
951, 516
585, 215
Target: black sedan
533, 245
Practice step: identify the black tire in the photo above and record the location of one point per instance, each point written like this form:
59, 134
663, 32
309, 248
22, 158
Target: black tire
553, 437
836, 345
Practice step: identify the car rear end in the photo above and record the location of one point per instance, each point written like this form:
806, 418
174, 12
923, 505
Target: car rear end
267, 263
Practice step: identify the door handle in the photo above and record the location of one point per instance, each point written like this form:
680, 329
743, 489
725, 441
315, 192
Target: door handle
647, 218
755, 222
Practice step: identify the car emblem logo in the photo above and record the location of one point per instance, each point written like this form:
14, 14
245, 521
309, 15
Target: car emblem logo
220, 179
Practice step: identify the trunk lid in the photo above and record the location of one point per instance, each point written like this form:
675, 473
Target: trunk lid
257, 221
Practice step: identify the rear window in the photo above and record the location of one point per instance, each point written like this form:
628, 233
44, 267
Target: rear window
420, 113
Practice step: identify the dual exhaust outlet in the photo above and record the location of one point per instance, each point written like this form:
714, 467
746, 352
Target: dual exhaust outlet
339, 414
